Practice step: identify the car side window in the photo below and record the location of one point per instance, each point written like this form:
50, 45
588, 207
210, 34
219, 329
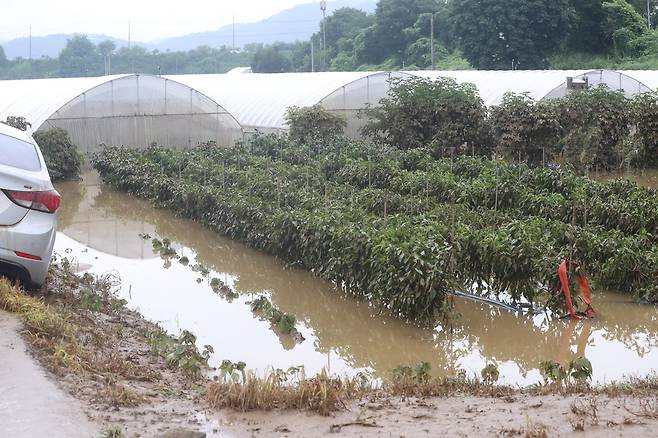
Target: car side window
19, 154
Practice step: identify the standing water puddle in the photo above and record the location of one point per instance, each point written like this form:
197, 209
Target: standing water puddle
103, 231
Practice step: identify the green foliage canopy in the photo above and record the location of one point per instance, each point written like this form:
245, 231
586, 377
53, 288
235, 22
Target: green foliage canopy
61, 155
442, 114
506, 34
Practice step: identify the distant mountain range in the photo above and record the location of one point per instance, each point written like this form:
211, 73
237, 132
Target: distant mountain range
294, 24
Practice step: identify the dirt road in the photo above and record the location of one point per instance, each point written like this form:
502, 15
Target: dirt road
31, 404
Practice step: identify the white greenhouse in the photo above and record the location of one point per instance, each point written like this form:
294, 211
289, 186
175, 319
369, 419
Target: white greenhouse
184, 110
539, 84
648, 77
260, 101
131, 110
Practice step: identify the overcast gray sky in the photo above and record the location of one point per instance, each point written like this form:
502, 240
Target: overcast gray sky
151, 19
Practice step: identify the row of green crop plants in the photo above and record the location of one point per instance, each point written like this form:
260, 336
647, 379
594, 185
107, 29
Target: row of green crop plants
591, 129
399, 228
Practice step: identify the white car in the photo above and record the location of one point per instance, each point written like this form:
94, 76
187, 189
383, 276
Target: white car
28, 207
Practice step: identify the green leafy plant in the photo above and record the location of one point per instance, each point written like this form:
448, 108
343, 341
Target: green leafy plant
490, 374
579, 370
404, 231
229, 370
448, 117
313, 125
181, 352
524, 130
419, 373
61, 155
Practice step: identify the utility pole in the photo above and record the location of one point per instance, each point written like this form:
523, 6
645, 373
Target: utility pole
432, 42
323, 7
234, 33
132, 60
649, 13
312, 55
30, 44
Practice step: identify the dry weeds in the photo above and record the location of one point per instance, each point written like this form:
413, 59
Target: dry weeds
322, 394
79, 329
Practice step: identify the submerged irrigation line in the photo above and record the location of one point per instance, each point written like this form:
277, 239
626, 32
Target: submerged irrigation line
489, 301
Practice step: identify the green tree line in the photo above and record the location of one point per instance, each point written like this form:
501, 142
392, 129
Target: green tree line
482, 34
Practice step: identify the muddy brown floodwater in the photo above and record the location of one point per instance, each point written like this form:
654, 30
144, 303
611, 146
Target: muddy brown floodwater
100, 229
646, 178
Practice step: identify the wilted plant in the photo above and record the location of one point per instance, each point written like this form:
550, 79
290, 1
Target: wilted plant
578, 371
228, 369
18, 122
490, 374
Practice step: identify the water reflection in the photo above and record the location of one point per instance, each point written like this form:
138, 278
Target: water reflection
341, 332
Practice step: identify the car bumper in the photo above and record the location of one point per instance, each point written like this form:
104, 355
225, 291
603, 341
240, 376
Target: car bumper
34, 235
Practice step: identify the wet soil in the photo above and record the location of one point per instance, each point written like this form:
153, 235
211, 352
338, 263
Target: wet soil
122, 381
521, 415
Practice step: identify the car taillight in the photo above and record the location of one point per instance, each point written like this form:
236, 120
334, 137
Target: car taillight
48, 202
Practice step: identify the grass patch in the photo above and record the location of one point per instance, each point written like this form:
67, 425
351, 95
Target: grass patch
49, 331
322, 394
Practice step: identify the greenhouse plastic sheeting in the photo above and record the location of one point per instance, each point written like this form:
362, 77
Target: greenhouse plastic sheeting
539, 84
350, 100
130, 110
261, 100
38, 99
647, 77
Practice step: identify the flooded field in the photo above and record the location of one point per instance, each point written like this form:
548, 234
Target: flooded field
109, 232
646, 178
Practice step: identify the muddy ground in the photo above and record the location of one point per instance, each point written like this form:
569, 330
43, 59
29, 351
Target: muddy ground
102, 374
522, 415
113, 380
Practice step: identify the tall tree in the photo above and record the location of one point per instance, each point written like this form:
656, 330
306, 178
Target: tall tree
587, 33
501, 34
106, 48
270, 59
346, 23
392, 20
80, 58
641, 7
